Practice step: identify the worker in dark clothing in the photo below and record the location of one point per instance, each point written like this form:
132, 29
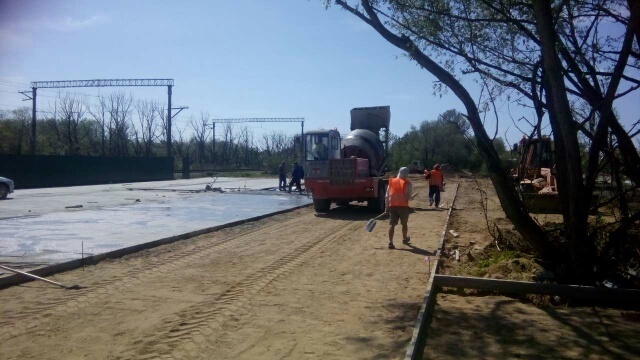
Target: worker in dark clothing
297, 174
282, 175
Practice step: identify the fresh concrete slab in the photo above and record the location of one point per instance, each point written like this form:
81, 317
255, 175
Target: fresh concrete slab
54, 225
32, 202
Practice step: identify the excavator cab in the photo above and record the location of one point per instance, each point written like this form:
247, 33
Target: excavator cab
535, 175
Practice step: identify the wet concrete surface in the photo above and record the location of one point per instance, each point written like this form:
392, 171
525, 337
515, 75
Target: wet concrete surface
30, 202
122, 215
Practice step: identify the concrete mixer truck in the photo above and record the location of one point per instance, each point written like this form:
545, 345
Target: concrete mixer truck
351, 169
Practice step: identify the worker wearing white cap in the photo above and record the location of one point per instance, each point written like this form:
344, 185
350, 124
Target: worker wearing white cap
397, 202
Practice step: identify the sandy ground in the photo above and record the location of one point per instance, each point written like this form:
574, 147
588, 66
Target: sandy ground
292, 286
499, 327
298, 286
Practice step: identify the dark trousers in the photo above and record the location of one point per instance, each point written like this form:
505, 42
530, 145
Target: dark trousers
434, 194
282, 182
298, 185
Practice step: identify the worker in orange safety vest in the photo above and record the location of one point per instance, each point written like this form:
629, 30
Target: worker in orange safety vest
397, 203
436, 184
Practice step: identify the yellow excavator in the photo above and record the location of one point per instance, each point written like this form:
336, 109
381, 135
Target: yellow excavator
535, 175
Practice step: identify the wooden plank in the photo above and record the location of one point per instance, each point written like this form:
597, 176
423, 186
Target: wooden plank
415, 349
524, 287
24, 273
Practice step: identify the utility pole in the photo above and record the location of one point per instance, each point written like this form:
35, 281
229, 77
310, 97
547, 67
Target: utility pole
302, 143
33, 121
32, 140
169, 120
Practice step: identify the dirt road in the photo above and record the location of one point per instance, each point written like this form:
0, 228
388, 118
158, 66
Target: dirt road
292, 286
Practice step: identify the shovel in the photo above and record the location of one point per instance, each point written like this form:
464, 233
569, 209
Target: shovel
372, 223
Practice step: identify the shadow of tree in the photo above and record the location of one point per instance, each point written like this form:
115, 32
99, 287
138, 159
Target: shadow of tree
400, 319
498, 327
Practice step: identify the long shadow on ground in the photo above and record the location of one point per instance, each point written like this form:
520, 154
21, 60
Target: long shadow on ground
400, 318
502, 328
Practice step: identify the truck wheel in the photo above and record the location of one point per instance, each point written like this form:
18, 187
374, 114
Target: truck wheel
377, 205
321, 205
4, 191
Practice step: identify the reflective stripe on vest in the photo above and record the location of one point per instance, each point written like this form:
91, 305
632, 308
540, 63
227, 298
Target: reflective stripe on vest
437, 178
397, 192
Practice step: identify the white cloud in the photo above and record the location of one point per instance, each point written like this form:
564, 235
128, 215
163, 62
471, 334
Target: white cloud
69, 24
15, 34
12, 39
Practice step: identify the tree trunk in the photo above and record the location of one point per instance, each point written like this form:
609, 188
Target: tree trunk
569, 171
513, 207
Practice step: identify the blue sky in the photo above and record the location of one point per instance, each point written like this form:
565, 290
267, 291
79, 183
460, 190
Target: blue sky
243, 58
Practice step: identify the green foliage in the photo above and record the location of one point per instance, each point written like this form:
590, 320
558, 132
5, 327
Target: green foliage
442, 141
497, 257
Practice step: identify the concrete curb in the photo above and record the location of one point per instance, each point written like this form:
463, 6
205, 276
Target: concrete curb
420, 330
94, 259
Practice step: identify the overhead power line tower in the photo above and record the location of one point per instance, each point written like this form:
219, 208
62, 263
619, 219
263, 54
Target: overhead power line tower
35, 85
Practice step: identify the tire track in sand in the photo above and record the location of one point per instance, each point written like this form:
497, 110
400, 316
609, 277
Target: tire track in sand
189, 334
30, 318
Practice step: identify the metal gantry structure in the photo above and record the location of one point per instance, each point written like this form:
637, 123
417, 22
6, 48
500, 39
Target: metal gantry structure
35, 85
257, 120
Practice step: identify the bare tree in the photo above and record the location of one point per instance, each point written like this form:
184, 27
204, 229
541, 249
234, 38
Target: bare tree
182, 147
120, 121
201, 129
146, 133
276, 147
227, 144
71, 111
100, 114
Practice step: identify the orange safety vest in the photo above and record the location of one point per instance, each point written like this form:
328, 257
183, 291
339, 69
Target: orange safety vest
437, 178
397, 192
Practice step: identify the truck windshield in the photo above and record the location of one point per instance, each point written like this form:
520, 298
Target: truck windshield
317, 147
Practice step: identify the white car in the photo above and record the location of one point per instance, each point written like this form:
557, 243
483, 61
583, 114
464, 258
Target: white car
6, 187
